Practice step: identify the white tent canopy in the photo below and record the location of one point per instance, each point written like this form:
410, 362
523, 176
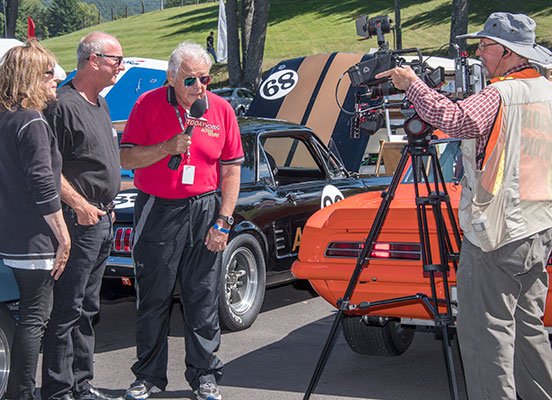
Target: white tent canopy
6, 44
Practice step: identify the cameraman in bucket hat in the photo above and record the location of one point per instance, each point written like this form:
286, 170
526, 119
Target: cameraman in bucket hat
505, 210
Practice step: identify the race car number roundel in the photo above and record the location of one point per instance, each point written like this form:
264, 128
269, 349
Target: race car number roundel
279, 84
125, 200
330, 195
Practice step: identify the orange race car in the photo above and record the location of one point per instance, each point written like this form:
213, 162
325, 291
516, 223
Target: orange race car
334, 237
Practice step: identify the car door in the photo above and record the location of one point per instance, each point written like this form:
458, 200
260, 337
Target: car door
303, 180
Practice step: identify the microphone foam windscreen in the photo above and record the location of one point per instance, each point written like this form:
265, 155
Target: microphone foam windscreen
198, 108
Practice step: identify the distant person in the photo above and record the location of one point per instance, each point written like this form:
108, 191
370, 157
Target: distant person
211, 46
90, 181
181, 222
34, 240
505, 210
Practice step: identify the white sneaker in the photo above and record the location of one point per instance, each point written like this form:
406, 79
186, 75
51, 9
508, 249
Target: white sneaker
208, 391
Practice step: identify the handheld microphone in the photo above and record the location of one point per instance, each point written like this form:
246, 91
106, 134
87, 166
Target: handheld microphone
196, 111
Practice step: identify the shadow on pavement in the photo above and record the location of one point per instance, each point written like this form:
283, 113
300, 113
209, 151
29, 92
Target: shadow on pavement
115, 325
288, 365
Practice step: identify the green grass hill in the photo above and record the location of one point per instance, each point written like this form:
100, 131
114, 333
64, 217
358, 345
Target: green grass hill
302, 27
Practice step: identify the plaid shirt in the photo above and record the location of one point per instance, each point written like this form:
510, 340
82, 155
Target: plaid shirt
470, 118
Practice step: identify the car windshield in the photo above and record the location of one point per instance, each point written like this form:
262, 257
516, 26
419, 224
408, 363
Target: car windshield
223, 92
245, 93
335, 167
292, 159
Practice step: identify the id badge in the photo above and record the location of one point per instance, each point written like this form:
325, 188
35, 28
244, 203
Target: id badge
188, 173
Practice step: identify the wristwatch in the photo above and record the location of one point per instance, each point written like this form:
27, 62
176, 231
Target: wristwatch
229, 220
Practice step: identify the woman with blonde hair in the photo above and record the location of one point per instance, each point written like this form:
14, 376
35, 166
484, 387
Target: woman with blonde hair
34, 240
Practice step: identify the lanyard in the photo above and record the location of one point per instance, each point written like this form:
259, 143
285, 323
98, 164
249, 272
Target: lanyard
180, 119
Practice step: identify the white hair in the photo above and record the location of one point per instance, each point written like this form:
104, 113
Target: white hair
188, 50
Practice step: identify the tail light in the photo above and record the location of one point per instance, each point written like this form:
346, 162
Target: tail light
124, 238
391, 251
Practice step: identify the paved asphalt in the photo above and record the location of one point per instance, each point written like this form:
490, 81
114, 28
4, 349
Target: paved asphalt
276, 357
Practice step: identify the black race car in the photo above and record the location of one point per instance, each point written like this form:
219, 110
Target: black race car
287, 175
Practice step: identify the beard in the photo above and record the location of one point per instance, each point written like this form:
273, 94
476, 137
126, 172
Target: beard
484, 68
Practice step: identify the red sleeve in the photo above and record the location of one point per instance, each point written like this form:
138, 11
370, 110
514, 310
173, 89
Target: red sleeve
469, 118
137, 126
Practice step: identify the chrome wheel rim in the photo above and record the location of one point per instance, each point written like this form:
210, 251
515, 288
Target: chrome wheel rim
4, 362
242, 280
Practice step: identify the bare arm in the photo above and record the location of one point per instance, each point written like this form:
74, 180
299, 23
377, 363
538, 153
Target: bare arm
57, 224
144, 156
87, 214
230, 188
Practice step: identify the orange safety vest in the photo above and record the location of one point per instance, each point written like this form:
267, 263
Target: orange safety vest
490, 158
510, 196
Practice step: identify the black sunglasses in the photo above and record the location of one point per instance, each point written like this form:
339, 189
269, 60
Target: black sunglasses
192, 80
118, 58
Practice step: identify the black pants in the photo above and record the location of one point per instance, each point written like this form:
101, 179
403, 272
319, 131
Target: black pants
69, 339
35, 288
169, 246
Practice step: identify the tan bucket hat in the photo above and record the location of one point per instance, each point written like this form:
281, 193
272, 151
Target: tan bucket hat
516, 32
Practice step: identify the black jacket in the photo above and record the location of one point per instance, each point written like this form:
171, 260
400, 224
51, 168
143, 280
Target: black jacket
30, 185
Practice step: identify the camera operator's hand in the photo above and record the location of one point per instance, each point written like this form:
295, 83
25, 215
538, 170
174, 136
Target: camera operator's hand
401, 77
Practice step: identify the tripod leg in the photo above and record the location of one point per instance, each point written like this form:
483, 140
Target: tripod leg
447, 348
324, 355
361, 261
434, 200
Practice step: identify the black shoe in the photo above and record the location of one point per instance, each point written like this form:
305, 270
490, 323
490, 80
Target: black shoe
93, 394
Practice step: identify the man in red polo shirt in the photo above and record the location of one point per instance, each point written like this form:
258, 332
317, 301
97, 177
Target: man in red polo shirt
180, 222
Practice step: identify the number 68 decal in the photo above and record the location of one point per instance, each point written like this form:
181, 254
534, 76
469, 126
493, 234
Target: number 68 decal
279, 84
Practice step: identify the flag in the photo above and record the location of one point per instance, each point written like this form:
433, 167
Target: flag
222, 47
30, 28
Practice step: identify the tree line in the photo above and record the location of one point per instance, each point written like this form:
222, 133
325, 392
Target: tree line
59, 17
247, 23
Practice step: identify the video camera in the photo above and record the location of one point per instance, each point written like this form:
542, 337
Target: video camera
367, 117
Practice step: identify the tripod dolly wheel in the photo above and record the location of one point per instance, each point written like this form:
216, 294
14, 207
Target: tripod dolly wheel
388, 340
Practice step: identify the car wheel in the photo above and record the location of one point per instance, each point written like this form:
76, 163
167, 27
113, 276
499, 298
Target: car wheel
240, 111
388, 340
7, 332
243, 280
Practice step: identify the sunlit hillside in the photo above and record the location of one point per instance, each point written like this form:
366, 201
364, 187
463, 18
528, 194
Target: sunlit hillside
298, 28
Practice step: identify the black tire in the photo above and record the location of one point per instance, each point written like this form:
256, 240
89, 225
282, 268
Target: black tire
387, 340
7, 332
242, 284
240, 111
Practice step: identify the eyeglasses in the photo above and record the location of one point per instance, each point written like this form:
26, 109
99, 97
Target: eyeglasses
482, 46
118, 58
204, 80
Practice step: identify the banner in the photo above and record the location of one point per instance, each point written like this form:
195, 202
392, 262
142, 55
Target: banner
30, 28
222, 47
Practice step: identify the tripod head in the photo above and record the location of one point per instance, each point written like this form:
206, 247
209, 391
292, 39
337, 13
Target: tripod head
418, 132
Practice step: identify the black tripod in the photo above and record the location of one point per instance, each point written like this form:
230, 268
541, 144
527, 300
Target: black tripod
418, 148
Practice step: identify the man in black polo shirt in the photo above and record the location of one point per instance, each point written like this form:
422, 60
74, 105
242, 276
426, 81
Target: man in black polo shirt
211, 45
90, 181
